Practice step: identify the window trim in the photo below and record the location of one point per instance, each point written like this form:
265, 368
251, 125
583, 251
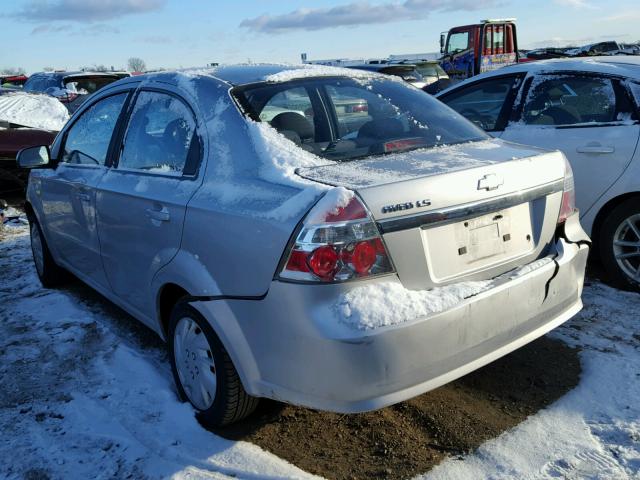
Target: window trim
124, 128
506, 112
617, 82
85, 109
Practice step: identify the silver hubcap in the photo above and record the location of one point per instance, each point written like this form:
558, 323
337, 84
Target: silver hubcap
626, 247
36, 248
194, 363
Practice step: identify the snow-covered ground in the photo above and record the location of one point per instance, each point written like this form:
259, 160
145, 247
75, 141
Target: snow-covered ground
86, 392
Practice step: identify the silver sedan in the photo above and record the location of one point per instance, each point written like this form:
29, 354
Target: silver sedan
330, 238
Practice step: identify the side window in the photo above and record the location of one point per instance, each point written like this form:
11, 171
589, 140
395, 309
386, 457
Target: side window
458, 42
570, 100
482, 102
160, 136
88, 138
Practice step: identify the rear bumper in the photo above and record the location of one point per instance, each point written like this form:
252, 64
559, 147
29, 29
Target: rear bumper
290, 347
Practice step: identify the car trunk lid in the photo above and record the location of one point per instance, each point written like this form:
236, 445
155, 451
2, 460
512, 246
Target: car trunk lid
465, 212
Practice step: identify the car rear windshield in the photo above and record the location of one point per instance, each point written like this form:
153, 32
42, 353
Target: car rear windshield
87, 85
343, 118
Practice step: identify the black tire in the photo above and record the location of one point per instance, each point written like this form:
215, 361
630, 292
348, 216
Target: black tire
50, 274
231, 402
607, 235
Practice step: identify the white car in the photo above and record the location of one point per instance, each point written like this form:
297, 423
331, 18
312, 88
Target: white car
588, 108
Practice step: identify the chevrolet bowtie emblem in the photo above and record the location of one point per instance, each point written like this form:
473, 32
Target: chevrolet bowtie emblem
490, 182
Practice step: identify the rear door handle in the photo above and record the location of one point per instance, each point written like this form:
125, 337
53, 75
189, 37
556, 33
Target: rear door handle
595, 148
159, 215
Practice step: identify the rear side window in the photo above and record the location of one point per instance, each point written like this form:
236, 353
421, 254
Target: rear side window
87, 141
160, 135
482, 102
570, 100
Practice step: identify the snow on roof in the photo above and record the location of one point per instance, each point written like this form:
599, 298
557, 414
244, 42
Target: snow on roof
35, 111
295, 72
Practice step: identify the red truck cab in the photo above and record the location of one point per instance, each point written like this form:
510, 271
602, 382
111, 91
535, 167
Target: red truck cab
473, 49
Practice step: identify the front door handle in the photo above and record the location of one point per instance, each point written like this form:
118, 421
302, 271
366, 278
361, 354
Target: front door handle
159, 215
85, 197
596, 148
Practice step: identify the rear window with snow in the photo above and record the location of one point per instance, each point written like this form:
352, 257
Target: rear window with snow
344, 119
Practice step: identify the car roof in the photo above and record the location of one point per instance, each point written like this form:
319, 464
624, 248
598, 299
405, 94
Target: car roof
244, 74
626, 65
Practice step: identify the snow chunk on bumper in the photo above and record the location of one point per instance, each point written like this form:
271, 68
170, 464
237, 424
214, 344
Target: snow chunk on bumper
389, 303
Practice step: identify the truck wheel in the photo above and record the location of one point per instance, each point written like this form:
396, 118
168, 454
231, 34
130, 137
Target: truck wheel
619, 241
50, 274
203, 371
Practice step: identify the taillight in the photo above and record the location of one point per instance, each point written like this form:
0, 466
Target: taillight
67, 97
338, 241
568, 206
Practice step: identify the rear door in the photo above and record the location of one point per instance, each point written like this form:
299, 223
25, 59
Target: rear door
141, 202
590, 118
68, 193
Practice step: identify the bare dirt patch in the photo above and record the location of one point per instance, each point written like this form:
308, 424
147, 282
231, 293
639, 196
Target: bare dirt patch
410, 438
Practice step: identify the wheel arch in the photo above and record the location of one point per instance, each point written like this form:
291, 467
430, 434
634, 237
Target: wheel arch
168, 296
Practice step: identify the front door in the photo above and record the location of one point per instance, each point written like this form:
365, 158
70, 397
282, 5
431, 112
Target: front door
68, 192
141, 202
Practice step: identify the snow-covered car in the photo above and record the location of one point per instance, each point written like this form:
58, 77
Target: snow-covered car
25, 120
71, 88
282, 260
590, 110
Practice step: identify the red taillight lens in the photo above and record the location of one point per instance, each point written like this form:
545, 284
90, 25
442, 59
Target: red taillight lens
338, 241
568, 206
363, 257
298, 262
324, 261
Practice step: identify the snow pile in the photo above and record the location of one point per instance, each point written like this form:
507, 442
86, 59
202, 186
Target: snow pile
389, 303
35, 111
594, 431
279, 160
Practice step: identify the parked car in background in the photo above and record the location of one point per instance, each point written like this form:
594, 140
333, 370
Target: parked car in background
291, 260
588, 109
25, 120
595, 49
13, 81
408, 72
71, 88
434, 77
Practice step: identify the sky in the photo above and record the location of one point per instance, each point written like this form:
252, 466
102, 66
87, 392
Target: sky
70, 34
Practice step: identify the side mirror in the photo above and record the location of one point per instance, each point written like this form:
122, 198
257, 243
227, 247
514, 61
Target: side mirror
33, 157
441, 43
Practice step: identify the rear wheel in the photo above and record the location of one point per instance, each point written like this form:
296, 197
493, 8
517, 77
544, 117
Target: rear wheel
620, 245
50, 274
203, 371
